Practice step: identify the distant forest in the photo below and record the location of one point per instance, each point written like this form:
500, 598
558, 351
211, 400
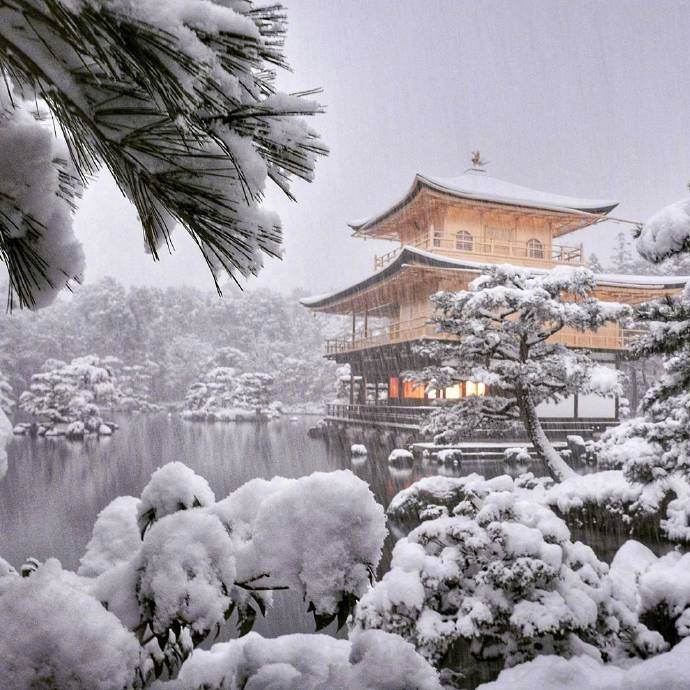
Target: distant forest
176, 332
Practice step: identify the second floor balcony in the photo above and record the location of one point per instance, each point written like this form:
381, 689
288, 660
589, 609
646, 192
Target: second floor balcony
464, 245
419, 328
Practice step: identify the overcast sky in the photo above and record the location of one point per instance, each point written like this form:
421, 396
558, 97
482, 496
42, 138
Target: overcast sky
589, 99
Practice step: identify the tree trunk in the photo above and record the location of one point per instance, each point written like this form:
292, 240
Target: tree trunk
556, 465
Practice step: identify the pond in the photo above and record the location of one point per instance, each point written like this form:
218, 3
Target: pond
54, 488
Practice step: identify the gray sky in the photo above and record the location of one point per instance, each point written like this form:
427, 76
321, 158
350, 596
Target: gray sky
588, 99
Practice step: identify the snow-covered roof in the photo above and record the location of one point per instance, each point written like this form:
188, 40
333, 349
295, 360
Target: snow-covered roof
413, 256
477, 185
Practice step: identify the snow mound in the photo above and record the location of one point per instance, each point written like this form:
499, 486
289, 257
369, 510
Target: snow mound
358, 449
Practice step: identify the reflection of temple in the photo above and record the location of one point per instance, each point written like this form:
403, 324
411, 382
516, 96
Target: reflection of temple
447, 230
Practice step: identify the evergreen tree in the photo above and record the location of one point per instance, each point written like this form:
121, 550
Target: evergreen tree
177, 100
593, 264
505, 324
622, 256
656, 445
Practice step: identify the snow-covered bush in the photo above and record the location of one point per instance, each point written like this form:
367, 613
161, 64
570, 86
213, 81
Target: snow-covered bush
496, 576
663, 672
373, 660
504, 325
54, 634
655, 445
225, 395
162, 572
71, 394
656, 588
400, 456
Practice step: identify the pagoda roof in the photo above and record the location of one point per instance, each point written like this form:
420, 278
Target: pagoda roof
476, 185
411, 256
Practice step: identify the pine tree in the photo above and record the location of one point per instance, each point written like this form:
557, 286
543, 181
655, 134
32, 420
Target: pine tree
656, 444
593, 264
176, 100
622, 256
505, 323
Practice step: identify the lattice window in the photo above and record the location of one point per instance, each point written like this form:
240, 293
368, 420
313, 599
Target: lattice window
535, 249
464, 242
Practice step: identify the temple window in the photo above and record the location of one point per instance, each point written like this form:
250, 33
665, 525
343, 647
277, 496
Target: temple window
472, 388
535, 249
437, 235
412, 390
464, 241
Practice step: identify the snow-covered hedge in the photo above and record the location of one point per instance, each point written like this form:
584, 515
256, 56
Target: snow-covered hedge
492, 573
162, 572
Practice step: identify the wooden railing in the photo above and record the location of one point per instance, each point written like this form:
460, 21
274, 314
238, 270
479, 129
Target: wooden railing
420, 328
504, 250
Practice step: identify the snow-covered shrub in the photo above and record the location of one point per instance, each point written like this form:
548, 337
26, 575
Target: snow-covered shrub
171, 488
54, 634
373, 660
517, 454
115, 537
664, 672
358, 450
656, 588
71, 394
162, 572
498, 577
400, 456
443, 492
449, 456
225, 395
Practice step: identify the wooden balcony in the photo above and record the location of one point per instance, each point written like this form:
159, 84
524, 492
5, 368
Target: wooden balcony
420, 328
521, 253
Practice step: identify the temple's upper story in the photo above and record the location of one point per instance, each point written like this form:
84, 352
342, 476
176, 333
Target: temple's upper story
479, 217
448, 231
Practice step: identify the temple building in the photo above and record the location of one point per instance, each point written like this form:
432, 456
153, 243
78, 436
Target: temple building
447, 232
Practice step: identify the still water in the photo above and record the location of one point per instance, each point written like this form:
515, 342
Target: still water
54, 488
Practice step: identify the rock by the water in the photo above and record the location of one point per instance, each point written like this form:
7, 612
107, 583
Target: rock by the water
105, 430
